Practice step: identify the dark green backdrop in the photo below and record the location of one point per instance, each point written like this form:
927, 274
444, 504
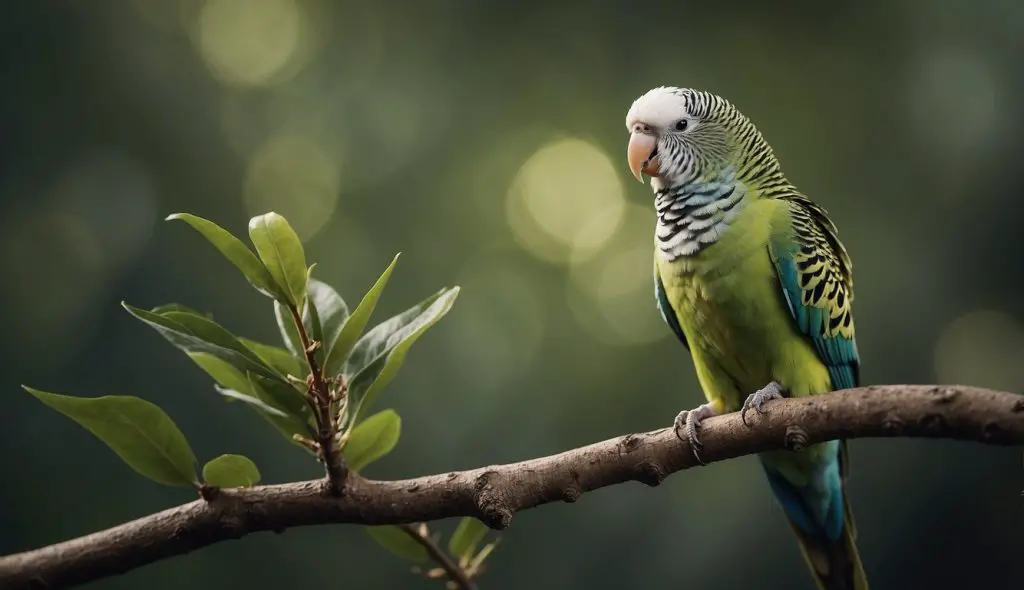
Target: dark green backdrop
485, 140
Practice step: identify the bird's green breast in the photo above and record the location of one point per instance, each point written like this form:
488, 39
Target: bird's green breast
731, 309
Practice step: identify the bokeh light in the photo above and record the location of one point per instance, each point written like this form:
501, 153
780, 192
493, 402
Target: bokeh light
566, 201
292, 175
479, 177
251, 42
982, 348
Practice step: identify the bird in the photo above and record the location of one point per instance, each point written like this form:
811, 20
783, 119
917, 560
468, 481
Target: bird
750, 275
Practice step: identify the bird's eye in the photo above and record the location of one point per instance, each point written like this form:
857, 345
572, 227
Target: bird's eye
681, 125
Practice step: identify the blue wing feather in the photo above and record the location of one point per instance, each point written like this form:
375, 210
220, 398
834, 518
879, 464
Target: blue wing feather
667, 313
814, 275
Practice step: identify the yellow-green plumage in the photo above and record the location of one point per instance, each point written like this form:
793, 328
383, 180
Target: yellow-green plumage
732, 312
751, 276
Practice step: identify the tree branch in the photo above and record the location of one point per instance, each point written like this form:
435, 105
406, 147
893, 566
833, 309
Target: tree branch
494, 494
451, 569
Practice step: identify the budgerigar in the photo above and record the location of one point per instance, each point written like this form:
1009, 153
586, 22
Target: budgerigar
750, 275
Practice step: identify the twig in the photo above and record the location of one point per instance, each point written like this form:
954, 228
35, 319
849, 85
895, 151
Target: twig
494, 494
453, 570
321, 393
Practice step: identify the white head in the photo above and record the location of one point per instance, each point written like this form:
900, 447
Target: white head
681, 135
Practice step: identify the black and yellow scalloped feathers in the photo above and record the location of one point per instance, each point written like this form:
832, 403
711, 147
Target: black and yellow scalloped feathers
815, 273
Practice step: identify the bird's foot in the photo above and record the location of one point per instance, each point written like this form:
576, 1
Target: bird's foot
756, 400
689, 420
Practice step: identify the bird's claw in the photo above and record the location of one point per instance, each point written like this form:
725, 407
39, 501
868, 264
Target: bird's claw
689, 420
757, 400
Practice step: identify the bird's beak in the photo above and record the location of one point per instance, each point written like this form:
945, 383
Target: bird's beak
642, 154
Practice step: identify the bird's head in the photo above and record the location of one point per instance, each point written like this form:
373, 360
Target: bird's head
682, 135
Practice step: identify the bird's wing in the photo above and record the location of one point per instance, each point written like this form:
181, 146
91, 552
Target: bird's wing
814, 272
667, 313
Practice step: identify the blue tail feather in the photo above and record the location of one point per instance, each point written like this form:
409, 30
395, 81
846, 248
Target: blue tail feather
818, 514
816, 509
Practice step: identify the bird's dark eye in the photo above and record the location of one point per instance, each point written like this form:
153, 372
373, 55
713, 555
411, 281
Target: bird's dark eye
681, 125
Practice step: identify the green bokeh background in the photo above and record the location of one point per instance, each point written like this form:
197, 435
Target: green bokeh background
449, 131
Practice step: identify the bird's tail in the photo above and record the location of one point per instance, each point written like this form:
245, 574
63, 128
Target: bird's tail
827, 536
835, 564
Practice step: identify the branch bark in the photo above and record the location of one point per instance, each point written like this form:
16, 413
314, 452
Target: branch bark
494, 494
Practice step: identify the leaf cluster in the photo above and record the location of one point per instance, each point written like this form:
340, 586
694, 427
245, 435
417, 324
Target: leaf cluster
315, 387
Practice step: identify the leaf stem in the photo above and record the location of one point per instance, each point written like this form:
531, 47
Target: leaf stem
321, 404
453, 570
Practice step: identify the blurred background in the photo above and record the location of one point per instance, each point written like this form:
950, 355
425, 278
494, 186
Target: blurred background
486, 141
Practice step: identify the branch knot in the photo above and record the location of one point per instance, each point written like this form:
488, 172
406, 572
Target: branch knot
892, 424
631, 442
934, 422
944, 395
795, 438
495, 510
650, 473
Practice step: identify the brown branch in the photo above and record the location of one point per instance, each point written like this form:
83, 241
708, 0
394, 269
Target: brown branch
494, 494
453, 570
320, 392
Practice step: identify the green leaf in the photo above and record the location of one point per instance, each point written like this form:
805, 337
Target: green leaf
161, 309
270, 409
278, 402
231, 471
332, 311
353, 328
276, 358
281, 251
379, 354
194, 333
210, 331
372, 439
221, 371
279, 394
323, 317
289, 334
314, 330
385, 335
397, 541
235, 251
234, 394
283, 411
137, 430
466, 537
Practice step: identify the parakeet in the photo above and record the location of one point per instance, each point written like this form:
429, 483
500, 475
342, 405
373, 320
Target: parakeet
751, 276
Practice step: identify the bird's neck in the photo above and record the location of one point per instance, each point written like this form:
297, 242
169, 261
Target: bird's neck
694, 215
